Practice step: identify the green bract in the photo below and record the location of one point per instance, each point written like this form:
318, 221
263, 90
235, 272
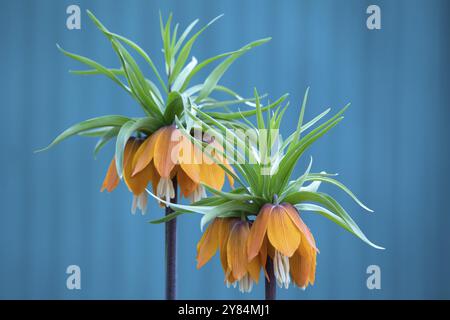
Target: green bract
161, 101
278, 161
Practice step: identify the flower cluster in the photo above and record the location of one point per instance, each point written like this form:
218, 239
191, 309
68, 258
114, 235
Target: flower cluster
151, 149
160, 158
277, 232
259, 224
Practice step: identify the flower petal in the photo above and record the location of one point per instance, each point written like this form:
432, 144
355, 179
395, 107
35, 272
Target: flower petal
163, 158
212, 175
263, 252
305, 269
282, 232
236, 250
270, 248
229, 176
219, 154
145, 152
295, 216
312, 272
154, 176
300, 267
138, 182
229, 276
189, 159
208, 244
221, 158
258, 231
192, 170
254, 268
308, 267
224, 233
112, 179
187, 186
294, 268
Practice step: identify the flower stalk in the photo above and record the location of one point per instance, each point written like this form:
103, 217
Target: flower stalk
171, 251
270, 283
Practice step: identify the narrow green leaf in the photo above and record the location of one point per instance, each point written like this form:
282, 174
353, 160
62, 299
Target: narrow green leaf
259, 115
124, 134
319, 177
175, 107
168, 217
133, 45
181, 78
94, 123
243, 114
110, 134
301, 207
183, 36
213, 104
214, 77
136, 79
231, 195
184, 53
115, 71
300, 120
166, 45
297, 184
174, 38
156, 94
333, 206
94, 133
97, 66
289, 161
211, 212
307, 126
227, 207
203, 64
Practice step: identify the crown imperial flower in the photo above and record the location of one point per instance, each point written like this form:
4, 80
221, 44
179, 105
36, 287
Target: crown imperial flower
259, 225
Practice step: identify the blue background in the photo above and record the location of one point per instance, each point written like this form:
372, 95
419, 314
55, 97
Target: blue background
391, 150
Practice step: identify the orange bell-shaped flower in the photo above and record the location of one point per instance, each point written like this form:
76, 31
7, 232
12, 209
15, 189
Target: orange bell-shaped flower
279, 231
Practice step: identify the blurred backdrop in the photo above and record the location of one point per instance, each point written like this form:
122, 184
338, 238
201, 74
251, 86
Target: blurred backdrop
392, 148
